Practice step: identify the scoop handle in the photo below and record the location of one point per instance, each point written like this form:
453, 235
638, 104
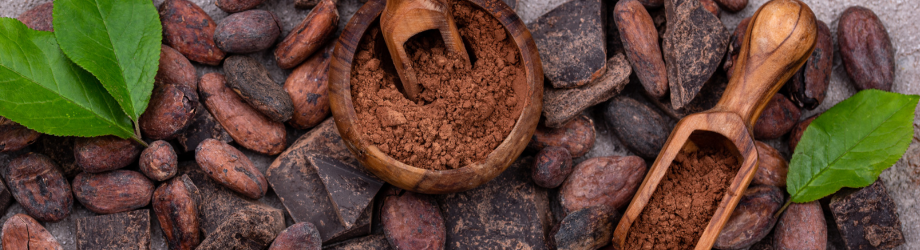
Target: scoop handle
778, 41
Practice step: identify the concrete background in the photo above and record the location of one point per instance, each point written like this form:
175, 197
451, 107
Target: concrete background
899, 16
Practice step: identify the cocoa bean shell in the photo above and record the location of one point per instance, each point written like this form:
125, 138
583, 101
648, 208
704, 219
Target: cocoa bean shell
610, 181
172, 107
248, 78
189, 30
159, 161
307, 86
309, 36
777, 118
39, 17
577, 136
231, 168
866, 49
772, 167
245, 125
14, 136
413, 221
233, 6
39, 187
175, 204
808, 87
112, 192
801, 227
174, 68
552, 166
752, 219
248, 31
300, 236
104, 153
22, 232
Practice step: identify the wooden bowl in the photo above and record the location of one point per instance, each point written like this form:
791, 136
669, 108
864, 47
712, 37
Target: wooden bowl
418, 179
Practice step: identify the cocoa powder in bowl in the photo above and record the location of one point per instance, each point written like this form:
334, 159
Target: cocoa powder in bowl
462, 113
685, 200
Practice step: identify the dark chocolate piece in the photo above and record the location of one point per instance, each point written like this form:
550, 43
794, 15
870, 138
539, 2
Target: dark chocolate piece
119, 231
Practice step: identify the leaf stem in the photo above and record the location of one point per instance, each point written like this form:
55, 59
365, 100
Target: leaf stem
137, 134
782, 209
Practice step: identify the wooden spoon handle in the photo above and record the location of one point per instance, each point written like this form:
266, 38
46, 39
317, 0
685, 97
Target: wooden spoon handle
779, 39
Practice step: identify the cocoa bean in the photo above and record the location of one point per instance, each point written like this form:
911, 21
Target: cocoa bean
588, 228
159, 161
302, 236
172, 107
22, 232
245, 125
60, 150
233, 6
640, 40
577, 136
413, 221
104, 153
248, 31
771, 166
309, 36
801, 227
734, 47
807, 88
39, 187
733, 5
610, 181
189, 30
14, 137
641, 129
307, 86
797, 132
248, 78
712, 7
866, 49
777, 118
752, 219
174, 68
175, 204
551, 166
112, 192
38, 18
230, 167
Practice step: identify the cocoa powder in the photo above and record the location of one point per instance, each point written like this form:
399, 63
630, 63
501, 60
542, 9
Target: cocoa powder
685, 201
462, 114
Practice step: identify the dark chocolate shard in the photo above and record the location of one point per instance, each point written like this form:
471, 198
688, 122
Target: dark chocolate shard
571, 42
867, 218
693, 47
119, 231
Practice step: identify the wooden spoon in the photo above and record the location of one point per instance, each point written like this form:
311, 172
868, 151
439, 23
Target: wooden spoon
781, 37
402, 19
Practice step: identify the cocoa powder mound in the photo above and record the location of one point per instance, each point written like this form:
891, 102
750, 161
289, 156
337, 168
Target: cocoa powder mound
685, 201
462, 114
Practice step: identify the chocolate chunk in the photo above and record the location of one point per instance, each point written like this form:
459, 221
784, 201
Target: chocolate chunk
472, 217
120, 231
563, 105
572, 49
867, 218
693, 47
641, 129
202, 127
252, 228
588, 228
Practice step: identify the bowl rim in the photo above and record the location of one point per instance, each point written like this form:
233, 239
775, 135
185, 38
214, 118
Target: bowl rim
418, 179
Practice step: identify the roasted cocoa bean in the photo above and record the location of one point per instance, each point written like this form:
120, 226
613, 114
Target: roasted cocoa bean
752, 219
771, 166
587, 228
413, 221
104, 153
175, 204
610, 181
172, 107
733, 5
189, 30
866, 49
640, 40
300, 236
174, 68
307, 86
233, 6
734, 47
14, 137
38, 18
248, 31
230, 167
577, 136
22, 232
551, 166
712, 7
309, 36
248, 78
641, 129
39, 187
112, 192
245, 125
777, 118
797, 132
159, 161
801, 227
808, 87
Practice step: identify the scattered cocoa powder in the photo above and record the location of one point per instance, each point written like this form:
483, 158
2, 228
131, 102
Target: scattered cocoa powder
462, 113
685, 201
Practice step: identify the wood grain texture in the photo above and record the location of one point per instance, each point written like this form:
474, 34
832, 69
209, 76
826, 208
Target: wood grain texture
781, 37
417, 179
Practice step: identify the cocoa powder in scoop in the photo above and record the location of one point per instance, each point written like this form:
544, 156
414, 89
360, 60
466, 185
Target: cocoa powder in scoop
685, 201
462, 114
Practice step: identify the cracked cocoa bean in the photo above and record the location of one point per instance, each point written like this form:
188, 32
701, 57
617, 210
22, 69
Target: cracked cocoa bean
189, 30
866, 49
22, 232
175, 204
771, 166
752, 219
551, 166
808, 87
172, 107
249, 78
248, 31
801, 227
777, 118
577, 136
231, 168
113, 191
104, 153
39, 187
159, 161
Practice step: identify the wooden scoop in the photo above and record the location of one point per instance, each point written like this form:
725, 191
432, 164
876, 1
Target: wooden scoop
780, 38
402, 19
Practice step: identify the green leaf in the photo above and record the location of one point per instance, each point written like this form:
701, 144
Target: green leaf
116, 40
851, 144
43, 90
